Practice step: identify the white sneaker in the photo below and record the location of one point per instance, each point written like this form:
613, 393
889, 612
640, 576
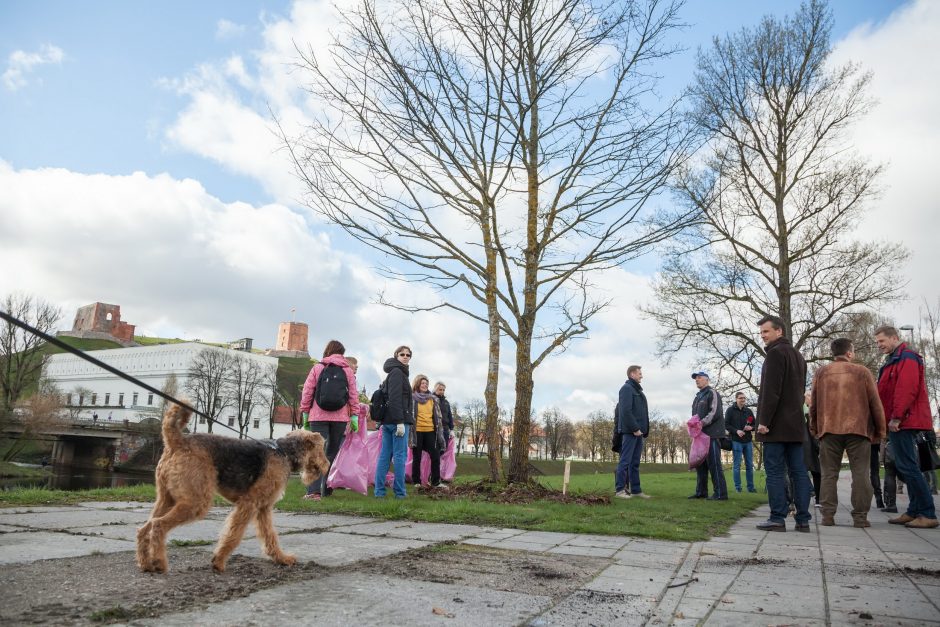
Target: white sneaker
622, 495
642, 495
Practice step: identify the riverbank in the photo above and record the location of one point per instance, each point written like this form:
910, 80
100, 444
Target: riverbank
10, 470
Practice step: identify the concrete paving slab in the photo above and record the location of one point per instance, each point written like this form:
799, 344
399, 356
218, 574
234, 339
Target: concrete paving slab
330, 548
30, 546
589, 551
637, 574
374, 528
627, 586
725, 618
601, 542
9, 529
709, 586
658, 547
479, 541
784, 574
131, 505
317, 521
72, 518
357, 599
777, 598
496, 533
434, 532
836, 574
839, 618
692, 608
517, 545
545, 537
596, 608
640, 558
30, 509
199, 531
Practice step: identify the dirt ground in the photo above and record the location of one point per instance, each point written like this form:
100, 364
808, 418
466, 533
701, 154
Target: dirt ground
107, 588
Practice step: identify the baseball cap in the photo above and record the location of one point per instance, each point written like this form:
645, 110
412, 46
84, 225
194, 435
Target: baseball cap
700, 373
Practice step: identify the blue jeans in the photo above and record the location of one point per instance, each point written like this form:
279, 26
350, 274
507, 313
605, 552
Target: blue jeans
745, 449
394, 449
908, 468
780, 459
628, 469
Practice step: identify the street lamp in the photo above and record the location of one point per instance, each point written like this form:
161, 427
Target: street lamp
908, 327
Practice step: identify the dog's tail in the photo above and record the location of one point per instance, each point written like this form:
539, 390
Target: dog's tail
175, 419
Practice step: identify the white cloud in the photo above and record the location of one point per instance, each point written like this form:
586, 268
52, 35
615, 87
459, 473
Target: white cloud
225, 29
21, 63
903, 132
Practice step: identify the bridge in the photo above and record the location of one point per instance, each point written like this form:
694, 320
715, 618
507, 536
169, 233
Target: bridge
84, 442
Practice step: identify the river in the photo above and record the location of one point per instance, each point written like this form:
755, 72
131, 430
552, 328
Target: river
77, 479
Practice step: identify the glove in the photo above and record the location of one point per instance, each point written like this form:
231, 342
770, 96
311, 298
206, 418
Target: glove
354, 423
400, 430
306, 417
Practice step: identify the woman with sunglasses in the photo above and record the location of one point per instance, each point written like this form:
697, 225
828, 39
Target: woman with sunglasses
397, 423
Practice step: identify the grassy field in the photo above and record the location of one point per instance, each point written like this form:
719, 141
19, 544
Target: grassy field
9, 470
668, 515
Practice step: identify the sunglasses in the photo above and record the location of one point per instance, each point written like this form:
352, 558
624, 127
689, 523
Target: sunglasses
404, 354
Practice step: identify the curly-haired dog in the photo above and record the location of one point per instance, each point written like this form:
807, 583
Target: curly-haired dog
250, 474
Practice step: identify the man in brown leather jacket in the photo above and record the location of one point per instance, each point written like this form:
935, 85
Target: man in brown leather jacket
846, 415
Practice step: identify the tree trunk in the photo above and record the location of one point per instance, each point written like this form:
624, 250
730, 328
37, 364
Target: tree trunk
493, 444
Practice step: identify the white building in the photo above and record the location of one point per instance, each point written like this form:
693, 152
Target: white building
89, 389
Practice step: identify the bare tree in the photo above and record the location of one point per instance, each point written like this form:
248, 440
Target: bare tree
245, 388
559, 433
502, 149
780, 190
270, 397
21, 354
171, 387
35, 414
928, 343
474, 416
207, 382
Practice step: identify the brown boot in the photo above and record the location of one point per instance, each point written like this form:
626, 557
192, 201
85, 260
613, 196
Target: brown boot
922, 522
861, 523
903, 519
827, 521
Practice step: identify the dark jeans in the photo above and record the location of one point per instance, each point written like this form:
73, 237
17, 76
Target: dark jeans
426, 441
333, 432
781, 459
628, 469
745, 450
817, 482
874, 471
711, 466
907, 463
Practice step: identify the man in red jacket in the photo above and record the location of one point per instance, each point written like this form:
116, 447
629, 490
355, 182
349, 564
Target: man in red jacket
903, 391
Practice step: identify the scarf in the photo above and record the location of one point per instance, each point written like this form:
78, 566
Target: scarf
422, 397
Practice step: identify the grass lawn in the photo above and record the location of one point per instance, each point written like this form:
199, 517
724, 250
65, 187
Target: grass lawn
668, 515
8, 470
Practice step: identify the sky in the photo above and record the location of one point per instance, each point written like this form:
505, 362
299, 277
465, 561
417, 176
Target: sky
138, 167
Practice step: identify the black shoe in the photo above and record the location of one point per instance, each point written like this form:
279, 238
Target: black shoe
697, 496
802, 528
715, 497
879, 503
769, 525
889, 510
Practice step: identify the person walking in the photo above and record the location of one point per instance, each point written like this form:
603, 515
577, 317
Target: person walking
739, 422
447, 415
707, 406
780, 426
903, 391
396, 424
330, 399
633, 423
845, 414
429, 432
811, 451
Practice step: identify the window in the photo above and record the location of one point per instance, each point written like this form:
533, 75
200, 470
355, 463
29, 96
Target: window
246, 407
256, 423
134, 400
94, 399
231, 421
81, 399
202, 420
121, 399
107, 399
150, 399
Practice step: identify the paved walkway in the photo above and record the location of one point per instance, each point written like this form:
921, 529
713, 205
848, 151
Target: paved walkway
884, 575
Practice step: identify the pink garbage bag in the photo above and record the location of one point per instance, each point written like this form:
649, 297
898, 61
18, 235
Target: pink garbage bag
449, 462
698, 450
349, 469
373, 447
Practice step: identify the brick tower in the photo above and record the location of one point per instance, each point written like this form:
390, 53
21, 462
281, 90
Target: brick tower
292, 339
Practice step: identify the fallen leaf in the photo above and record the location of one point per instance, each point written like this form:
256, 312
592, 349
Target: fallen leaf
680, 615
865, 615
441, 612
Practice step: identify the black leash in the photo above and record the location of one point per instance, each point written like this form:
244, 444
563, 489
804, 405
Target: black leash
82, 354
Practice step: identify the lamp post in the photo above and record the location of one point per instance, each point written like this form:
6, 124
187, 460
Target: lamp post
910, 328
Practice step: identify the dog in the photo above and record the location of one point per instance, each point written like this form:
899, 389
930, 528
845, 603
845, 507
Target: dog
251, 474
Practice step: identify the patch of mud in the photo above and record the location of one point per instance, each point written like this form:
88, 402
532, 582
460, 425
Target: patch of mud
515, 493
101, 589
750, 561
495, 569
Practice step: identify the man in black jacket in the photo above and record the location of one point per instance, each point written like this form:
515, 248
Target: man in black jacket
707, 406
633, 422
447, 416
740, 423
780, 426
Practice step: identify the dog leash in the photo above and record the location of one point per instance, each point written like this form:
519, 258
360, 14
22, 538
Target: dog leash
83, 355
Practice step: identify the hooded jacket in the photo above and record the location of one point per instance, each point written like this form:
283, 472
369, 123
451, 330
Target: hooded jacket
317, 413
780, 400
903, 389
632, 413
400, 408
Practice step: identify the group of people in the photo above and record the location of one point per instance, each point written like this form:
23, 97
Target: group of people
414, 416
846, 412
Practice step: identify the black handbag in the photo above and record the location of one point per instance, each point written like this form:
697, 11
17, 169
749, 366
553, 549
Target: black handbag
927, 454
725, 444
616, 443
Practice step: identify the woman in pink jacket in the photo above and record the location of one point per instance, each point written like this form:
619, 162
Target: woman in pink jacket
330, 400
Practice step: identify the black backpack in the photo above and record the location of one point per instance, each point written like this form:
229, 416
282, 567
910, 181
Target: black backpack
379, 404
332, 391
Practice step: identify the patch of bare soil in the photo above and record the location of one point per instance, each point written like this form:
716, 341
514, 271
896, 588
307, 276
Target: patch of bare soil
104, 588
494, 569
517, 493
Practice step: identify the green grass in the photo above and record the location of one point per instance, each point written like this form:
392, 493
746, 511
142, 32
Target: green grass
470, 465
9, 470
668, 515
144, 340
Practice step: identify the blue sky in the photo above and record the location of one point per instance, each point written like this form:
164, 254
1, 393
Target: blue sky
138, 169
